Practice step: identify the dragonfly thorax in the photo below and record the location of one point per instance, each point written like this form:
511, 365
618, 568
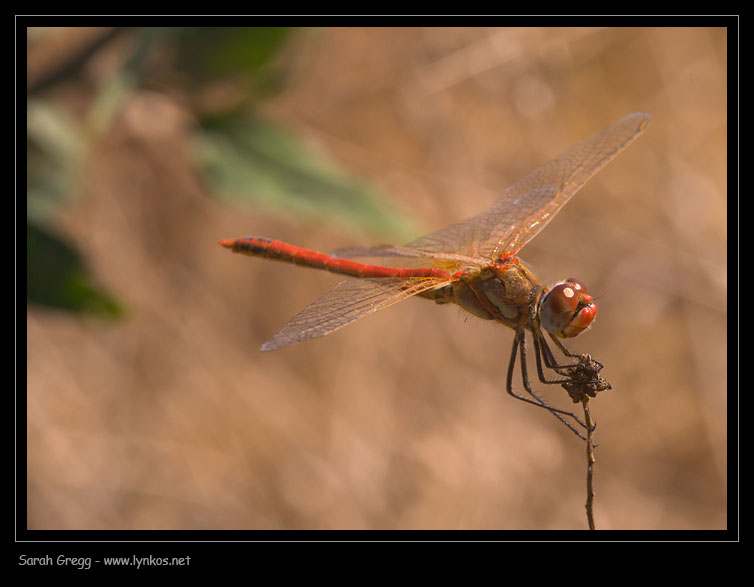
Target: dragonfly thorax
499, 291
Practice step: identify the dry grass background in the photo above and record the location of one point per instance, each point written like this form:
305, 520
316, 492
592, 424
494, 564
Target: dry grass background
172, 418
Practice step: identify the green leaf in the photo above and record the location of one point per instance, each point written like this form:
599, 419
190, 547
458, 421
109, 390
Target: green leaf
54, 147
262, 164
244, 54
57, 278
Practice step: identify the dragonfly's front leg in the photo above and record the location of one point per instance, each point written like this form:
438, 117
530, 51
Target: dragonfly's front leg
543, 349
542, 352
581, 378
519, 341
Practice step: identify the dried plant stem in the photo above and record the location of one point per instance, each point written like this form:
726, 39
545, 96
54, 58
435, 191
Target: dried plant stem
589, 462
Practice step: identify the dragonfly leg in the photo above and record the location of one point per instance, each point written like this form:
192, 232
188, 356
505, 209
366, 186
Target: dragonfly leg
581, 379
542, 352
566, 352
519, 341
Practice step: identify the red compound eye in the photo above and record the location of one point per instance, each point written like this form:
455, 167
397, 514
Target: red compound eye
578, 285
567, 309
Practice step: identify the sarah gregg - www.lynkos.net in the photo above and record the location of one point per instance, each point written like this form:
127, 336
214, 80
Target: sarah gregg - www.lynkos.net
85, 563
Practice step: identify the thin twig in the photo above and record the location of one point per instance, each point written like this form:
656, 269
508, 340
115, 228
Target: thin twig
589, 462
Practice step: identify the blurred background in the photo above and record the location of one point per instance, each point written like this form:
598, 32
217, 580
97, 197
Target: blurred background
149, 403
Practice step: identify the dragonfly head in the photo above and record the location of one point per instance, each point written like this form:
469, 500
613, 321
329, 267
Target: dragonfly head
567, 309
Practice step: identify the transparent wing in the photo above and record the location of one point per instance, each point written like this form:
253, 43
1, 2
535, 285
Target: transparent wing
376, 251
448, 261
347, 302
527, 206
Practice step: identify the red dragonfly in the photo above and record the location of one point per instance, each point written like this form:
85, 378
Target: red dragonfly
473, 264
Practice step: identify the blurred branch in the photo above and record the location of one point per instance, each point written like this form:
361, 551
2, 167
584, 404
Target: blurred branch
55, 59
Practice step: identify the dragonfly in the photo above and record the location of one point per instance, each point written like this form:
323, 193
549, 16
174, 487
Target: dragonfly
475, 265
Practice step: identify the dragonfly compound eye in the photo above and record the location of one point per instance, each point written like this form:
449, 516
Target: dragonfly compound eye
567, 309
578, 285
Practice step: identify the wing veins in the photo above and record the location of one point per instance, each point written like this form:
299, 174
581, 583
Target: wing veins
349, 301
